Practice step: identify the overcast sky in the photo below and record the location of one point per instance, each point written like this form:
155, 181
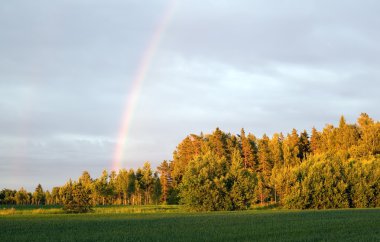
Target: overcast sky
66, 69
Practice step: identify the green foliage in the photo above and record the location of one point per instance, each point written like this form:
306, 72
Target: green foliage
326, 181
76, 198
22, 197
204, 184
39, 195
173, 197
318, 183
364, 180
185, 152
165, 180
337, 167
248, 151
210, 183
243, 183
7, 196
157, 189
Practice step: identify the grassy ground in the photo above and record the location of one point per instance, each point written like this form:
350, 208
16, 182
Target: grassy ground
172, 223
112, 209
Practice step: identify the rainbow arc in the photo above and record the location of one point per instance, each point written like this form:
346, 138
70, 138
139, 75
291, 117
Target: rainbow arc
134, 93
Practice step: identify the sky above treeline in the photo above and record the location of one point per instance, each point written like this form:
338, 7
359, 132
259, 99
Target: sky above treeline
68, 67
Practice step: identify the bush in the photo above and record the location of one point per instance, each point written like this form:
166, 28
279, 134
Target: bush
76, 198
211, 184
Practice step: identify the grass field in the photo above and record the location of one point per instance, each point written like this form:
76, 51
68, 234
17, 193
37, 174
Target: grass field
172, 223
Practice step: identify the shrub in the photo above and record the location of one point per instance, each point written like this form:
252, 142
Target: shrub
76, 198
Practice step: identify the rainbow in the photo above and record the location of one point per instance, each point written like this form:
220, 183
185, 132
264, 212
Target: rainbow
137, 82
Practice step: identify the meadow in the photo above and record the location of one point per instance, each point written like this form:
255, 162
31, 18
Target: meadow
173, 223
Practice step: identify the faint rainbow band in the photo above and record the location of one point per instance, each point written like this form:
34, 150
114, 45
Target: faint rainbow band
137, 82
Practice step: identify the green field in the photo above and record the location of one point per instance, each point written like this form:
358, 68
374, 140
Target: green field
172, 223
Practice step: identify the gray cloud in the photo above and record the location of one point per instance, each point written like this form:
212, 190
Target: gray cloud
311, 32
66, 69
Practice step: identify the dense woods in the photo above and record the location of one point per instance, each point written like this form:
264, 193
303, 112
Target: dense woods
337, 167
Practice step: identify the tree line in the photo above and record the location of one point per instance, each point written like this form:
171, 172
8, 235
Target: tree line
337, 167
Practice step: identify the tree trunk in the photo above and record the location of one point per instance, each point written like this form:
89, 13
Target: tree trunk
275, 195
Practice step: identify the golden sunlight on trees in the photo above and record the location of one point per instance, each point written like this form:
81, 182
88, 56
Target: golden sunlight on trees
338, 167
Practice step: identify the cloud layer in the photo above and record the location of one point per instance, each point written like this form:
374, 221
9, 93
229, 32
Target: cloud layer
267, 66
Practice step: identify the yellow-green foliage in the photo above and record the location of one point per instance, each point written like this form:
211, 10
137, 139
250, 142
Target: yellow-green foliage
211, 183
337, 167
326, 181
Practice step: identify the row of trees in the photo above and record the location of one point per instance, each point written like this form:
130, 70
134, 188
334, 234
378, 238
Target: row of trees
140, 187
335, 167
23, 197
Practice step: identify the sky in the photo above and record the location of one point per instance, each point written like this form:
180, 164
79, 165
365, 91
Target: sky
67, 70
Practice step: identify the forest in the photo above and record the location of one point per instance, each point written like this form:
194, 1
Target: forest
337, 167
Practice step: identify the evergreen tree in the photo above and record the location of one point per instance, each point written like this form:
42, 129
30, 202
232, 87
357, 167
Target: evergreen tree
121, 187
304, 146
218, 143
147, 182
131, 189
7, 196
55, 195
21, 197
204, 184
185, 152
329, 139
369, 143
101, 187
291, 149
347, 136
232, 143
337, 167
275, 148
139, 187
320, 183
85, 179
247, 151
76, 198
243, 183
39, 195
48, 198
315, 141
165, 179
265, 162
157, 189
